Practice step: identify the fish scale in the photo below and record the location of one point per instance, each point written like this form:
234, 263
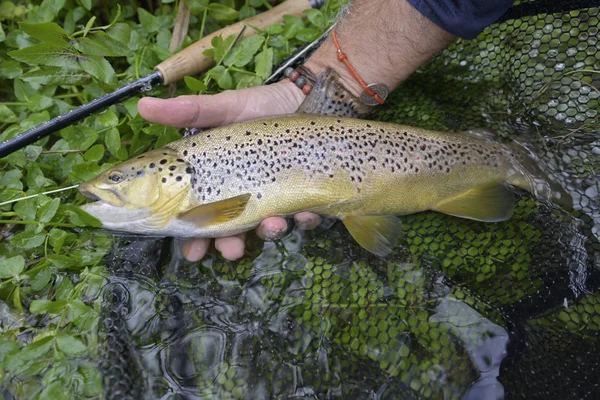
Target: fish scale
249, 156
226, 180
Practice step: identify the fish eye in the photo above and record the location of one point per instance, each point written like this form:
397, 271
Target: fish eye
115, 176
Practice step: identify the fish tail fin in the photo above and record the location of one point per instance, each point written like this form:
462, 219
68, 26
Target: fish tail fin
535, 176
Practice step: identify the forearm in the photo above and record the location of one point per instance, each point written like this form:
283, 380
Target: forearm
384, 40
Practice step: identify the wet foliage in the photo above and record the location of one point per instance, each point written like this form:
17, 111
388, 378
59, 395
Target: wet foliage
461, 309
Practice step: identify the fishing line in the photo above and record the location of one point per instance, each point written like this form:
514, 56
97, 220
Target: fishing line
37, 194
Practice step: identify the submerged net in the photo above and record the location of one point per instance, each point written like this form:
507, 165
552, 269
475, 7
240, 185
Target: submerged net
461, 309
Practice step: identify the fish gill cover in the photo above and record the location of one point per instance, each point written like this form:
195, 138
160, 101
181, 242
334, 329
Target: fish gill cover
461, 309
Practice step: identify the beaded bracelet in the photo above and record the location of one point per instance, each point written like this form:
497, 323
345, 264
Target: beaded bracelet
302, 77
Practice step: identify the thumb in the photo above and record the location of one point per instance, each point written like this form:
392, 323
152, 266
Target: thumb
231, 106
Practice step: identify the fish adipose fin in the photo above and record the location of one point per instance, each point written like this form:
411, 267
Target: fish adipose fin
217, 212
378, 234
328, 97
485, 203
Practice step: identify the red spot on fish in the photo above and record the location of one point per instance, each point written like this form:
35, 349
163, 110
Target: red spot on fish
417, 158
283, 153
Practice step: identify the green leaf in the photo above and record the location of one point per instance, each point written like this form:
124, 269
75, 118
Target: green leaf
87, 4
61, 261
80, 218
79, 137
10, 69
2, 34
247, 12
41, 279
11, 179
95, 153
307, 34
98, 67
196, 6
264, 63
47, 210
194, 84
316, 18
244, 51
11, 267
86, 171
69, 345
292, 26
47, 54
120, 32
147, 20
32, 152
108, 118
221, 12
47, 306
100, 44
49, 32
112, 139
56, 76
222, 76
56, 238
32, 351
26, 209
89, 26
28, 239
6, 115
36, 178
39, 102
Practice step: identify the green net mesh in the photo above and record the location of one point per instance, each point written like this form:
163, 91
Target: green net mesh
460, 310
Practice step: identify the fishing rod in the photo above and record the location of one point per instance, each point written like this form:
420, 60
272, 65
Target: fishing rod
189, 61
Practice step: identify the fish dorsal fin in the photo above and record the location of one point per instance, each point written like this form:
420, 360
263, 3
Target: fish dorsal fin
484, 203
378, 234
163, 212
217, 212
328, 97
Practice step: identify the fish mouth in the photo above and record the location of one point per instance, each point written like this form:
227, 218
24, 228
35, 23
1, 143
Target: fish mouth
104, 195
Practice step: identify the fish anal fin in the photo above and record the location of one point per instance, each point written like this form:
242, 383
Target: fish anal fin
217, 212
484, 203
377, 234
328, 97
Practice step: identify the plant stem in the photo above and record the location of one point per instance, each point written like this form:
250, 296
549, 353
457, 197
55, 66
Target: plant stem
20, 222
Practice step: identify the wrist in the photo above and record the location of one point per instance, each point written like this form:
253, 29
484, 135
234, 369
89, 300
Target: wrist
385, 52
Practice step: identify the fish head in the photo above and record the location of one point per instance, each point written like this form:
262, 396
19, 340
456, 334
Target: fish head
147, 190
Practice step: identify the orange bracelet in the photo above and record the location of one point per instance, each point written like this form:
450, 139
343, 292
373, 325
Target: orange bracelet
343, 58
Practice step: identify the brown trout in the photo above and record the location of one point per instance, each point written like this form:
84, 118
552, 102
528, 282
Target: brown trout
226, 180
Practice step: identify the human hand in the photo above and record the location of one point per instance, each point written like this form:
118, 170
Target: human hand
223, 108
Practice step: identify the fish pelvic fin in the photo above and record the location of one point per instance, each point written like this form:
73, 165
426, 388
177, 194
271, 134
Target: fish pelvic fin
533, 175
493, 203
218, 212
329, 97
377, 234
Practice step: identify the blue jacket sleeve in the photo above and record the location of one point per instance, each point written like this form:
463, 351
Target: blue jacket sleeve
463, 18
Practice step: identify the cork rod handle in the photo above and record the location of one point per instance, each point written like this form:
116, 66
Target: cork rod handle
191, 60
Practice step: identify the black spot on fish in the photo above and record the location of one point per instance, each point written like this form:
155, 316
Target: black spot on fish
172, 168
193, 144
258, 195
163, 161
180, 160
228, 138
276, 125
152, 165
185, 152
140, 157
140, 173
159, 169
178, 179
260, 142
164, 180
208, 190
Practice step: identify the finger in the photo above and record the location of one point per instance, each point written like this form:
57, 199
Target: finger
222, 108
231, 247
307, 220
195, 249
272, 228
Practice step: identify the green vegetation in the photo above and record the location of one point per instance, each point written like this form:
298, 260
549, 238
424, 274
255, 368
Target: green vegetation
318, 307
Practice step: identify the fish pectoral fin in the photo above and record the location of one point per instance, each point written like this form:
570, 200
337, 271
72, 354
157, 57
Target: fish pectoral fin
164, 211
378, 234
485, 203
217, 212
